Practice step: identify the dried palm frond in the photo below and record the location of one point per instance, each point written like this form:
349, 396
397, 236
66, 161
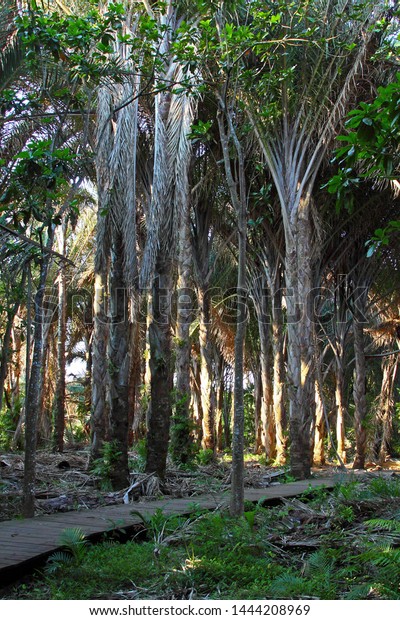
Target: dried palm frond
11, 55
174, 114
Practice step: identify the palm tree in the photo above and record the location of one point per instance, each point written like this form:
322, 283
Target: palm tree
173, 116
312, 80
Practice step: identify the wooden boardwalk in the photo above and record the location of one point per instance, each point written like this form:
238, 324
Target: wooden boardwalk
26, 543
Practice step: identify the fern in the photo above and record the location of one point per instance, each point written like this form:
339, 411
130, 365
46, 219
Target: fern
288, 585
389, 525
380, 487
358, 592
389, 559
319, 562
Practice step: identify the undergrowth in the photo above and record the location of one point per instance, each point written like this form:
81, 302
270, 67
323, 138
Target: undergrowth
326, 545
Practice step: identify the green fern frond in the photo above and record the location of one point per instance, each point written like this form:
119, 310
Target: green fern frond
390, 558
388, 525
358, 593
382, 487
288, 585
58, 560
321, 563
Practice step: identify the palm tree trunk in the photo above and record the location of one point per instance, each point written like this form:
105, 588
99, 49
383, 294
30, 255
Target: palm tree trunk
195, 384
319, 436
207, 397
35, 387
5, 349
161, 372
181, 438
220, 404
45, 422
99, 410
279, 380
340, 413
28, 340
300, 343
237, 488
238, 195
59, 404
258, 430
267, 412
359, 392
134, 380
119, 364
386, 408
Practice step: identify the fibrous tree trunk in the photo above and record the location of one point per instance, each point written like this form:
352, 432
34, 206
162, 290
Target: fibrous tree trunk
196, 399
118, 365
298, 277
161, 370
207, 397
35, 386
134, 382
220, 381
238, 194
258, 443
383, 444
99, 404
278, 339
267, 412
320, 430
59, 402
5, 349
28, 341
341, 412
181, 439
359, 392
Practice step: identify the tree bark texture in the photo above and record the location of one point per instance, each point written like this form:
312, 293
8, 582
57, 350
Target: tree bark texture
181, 435
35, 387
341, 413
279, 379
161, 370
59, 401
319, 432
298, 274
207, 396
359, 392
99, 411
386, 409
118, 365
5, 349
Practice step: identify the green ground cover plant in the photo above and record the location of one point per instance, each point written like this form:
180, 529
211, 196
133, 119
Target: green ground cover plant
341, 544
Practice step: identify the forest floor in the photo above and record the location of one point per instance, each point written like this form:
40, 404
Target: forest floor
63, 482
340, 543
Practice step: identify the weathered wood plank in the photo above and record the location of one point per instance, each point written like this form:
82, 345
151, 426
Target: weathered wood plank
23, 541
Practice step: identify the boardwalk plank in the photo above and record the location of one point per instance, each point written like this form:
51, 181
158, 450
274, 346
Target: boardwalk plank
22, 542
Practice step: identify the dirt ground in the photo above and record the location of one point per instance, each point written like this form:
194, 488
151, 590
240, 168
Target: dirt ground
63, 482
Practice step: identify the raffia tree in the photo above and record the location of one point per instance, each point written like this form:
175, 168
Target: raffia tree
295, 109
173, 116
72, 59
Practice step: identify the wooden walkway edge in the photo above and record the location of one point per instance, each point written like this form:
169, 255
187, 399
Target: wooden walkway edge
26, 543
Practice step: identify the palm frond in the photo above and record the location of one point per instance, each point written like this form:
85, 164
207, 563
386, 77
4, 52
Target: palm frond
11, 55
